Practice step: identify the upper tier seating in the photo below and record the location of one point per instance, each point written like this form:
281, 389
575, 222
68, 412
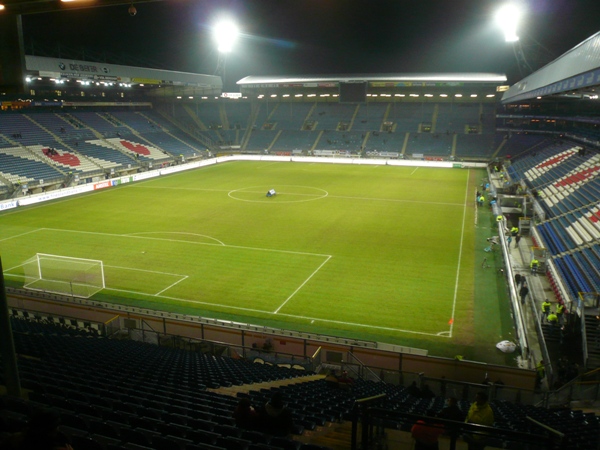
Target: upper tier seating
568, 183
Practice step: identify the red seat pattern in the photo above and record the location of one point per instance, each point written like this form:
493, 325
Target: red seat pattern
556, 160
579, 176
137, 148
66, 158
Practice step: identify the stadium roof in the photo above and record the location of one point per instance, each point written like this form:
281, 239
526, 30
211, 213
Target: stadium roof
576, 73
408, 77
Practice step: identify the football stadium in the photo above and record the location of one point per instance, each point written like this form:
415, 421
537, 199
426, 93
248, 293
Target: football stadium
305, 262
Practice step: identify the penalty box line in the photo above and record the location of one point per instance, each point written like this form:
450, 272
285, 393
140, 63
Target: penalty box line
220, 244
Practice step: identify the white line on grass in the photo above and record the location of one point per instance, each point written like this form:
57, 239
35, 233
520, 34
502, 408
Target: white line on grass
316, 319
186, 242
302, 285
173, 232
417, 168
169, 287
197, 302
144, 270
22, 234
395, 200
460, 248
265, 165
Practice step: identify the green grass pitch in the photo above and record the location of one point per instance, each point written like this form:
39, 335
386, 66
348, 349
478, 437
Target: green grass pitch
370, 252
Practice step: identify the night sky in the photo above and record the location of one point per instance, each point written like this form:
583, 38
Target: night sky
327, 37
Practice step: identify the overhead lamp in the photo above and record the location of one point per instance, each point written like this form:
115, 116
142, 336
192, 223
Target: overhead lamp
507, 18
225, 34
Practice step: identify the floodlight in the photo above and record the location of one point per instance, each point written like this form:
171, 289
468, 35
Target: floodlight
225, 34
507, 19
1, 6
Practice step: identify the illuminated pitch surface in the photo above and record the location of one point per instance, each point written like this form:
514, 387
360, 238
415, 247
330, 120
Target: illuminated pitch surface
373, 252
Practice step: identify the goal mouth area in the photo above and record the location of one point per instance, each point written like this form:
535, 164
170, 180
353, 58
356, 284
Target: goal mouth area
76, 277
62, 287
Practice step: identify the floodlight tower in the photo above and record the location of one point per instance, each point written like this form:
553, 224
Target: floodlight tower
225, 34
508, 18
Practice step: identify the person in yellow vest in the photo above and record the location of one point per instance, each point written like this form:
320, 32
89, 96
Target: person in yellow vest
540, 374
534, 265
546, 309
514, 231
480, 200
479, 413
560, 312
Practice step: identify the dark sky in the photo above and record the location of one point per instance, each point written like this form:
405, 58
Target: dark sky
294, 37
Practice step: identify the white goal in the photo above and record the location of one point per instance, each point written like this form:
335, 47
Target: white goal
77, 277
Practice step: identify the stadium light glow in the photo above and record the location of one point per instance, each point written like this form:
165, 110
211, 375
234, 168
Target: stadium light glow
1, 7
225, 34
507, 18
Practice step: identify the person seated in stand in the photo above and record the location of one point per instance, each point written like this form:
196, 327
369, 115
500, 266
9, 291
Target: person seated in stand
274, 418
344, 381
451, 411
41, 433
332, 381
245, 415
426, 434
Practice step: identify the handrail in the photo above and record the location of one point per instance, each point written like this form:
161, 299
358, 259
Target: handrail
363, 367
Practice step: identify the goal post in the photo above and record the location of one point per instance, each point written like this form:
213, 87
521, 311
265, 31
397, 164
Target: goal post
77, 277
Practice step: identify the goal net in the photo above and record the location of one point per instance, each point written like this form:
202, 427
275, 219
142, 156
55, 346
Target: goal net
77, 277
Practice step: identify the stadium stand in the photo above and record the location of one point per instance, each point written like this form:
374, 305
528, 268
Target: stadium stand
116, 393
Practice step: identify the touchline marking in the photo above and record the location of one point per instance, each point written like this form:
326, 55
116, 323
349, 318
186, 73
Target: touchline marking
460, 248
377, 327
339, 322
266, 165
417, 168
302, 285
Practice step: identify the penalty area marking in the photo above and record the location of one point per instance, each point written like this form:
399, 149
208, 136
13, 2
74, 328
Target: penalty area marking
140, 234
